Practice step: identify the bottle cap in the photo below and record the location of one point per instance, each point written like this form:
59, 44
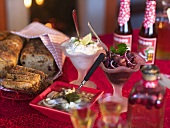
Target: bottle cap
150, 72
150, 69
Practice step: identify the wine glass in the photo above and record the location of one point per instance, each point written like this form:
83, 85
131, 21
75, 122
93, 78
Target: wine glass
119, 76
110, 108
82, 62
121, 123
83, 117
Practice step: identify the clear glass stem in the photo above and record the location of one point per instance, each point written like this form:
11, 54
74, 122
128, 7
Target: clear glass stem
80, 78
117, 93
117, 90
81, 75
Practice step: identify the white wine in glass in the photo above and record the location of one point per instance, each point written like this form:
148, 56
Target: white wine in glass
110, 108
83, 117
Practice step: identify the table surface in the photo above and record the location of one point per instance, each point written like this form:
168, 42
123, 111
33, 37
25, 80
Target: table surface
18, 114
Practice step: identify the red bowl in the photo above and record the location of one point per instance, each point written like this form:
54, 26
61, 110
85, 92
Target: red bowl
58, 114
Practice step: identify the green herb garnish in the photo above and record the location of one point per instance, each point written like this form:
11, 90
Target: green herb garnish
71, 97
87, 40
121, 49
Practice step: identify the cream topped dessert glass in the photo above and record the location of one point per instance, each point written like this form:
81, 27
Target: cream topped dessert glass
82, 53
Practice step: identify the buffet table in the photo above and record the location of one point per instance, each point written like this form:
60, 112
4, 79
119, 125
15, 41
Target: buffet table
18, 114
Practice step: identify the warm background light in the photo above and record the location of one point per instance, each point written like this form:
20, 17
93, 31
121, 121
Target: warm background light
49, 25
160, 25
27, 3
39, 2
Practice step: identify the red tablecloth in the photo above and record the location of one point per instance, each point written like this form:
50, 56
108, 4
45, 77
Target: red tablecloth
18, 114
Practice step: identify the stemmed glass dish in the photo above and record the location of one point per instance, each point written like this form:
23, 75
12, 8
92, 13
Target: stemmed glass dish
119, 76
82, 57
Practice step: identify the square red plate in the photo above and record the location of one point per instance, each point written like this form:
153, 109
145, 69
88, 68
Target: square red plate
57, 114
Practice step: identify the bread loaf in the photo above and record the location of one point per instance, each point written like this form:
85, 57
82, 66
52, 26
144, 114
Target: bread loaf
3, 35
10, 48
28, 71
25, 79
35, 55
17, 85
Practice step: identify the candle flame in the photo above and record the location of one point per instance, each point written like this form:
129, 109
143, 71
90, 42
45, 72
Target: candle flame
27, 3
39, 2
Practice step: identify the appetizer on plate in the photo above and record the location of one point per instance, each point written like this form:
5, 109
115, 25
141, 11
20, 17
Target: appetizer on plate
66, 99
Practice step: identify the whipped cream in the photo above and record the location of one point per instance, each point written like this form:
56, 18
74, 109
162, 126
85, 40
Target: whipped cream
75, 46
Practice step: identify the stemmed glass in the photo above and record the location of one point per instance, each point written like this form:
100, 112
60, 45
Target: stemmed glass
110, 109
121, 123
82, 62
119, 76
83, 117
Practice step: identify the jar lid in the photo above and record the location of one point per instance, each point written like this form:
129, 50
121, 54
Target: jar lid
150, 70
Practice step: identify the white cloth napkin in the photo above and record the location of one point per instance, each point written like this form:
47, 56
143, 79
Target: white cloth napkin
164, 80
51, 39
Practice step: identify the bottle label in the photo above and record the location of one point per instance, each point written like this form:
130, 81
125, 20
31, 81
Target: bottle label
150, 13
124, 12
150, 84
147, 49
127, 39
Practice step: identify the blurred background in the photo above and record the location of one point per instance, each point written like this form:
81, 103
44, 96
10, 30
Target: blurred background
102, 14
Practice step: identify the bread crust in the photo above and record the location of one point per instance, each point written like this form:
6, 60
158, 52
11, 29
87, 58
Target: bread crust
3, 35
25, 79
28, 71
36, 55
10, 49
17, 85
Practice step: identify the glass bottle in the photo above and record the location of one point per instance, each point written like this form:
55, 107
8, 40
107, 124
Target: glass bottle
148, 33
146, 101
123, 30
163, 27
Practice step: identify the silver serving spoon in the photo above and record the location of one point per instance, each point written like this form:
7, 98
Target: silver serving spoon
74, 15
91, 70
103, 45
